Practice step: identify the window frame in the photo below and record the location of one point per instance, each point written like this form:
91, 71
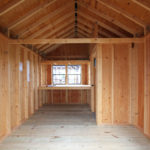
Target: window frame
66, 74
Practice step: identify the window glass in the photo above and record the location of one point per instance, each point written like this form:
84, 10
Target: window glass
74, 79
59, 79
74, 69
59, 75
59, 69
74, 74
28, 71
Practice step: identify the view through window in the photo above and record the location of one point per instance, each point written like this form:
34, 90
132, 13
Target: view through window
74, 74
59, 75
69, 74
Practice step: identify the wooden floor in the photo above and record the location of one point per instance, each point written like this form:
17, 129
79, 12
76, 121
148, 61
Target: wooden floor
64, 127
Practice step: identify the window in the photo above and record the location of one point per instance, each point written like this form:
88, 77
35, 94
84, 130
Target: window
28, 71
20, 66
69, 74
59, 75
74, 74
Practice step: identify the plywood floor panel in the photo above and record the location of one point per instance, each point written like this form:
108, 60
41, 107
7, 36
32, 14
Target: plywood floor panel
72, 127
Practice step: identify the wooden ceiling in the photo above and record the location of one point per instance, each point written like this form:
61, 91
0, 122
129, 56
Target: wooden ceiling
41, 19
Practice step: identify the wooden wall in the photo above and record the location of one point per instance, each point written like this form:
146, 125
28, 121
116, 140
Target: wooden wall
140, 86
66, 96
116, 79
19, 82
123, 84
146, 106
137, 86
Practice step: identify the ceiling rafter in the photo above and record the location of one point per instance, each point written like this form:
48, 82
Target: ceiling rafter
122, 12
86, 22
30, 14
143, 4
108, 18
53, 47
61, 36
87, 30
60, 29
90, 34
45, 18
11, 5
80, 35
111, 34
58, 36
69, 35
101, 35
61, 20
87, 35
109, 28
90, 30
84, 33
85, 25
113, 21
108, 35
93, 3
94, 29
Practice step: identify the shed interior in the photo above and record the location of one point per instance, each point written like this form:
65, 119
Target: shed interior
75, 74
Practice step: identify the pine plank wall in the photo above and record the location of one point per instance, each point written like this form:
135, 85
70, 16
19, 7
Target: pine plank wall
123, 84
19, 99
122, 98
